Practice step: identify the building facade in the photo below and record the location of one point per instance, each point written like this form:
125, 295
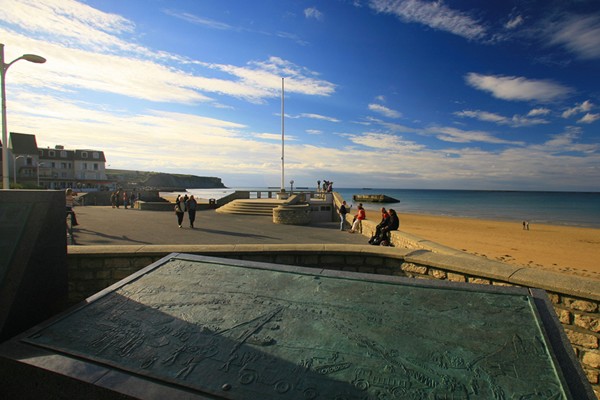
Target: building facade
56, 168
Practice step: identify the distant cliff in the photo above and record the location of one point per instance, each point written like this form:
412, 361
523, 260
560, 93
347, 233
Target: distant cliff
161, 181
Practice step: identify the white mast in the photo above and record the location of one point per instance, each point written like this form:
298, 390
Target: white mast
282, 136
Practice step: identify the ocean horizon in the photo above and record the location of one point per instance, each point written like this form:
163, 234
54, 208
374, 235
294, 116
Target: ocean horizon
555, 208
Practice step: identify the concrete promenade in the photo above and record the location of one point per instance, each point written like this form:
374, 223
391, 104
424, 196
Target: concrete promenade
105, 226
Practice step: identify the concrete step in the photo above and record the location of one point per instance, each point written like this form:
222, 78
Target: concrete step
250, 207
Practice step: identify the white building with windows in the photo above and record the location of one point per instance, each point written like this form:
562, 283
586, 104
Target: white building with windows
56, 168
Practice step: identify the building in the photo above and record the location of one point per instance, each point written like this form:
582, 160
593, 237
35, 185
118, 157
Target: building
56, 168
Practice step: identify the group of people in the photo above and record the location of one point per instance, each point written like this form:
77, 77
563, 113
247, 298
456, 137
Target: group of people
120, 197
185, 204
389, 222
327, 186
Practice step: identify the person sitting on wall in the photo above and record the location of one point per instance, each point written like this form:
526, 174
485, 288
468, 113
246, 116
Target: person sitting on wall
385, 220
393, 225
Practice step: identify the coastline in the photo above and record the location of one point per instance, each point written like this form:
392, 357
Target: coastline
564, 249
560, 248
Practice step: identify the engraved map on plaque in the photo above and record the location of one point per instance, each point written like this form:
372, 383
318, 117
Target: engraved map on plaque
240, 333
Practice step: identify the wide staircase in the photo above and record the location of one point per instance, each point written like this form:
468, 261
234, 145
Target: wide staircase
251, 206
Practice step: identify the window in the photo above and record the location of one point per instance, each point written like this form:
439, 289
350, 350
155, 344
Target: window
63, 154
29, 161
84, 154
96, 155
63, 165
95, 166
53, 165
84, 165
51, 153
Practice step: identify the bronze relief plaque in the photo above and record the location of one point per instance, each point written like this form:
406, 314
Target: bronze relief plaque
241, 330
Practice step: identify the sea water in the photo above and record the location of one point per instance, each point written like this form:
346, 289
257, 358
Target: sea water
556, 208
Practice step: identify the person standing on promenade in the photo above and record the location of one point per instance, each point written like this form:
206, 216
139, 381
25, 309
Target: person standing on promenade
113, 199
360, 216
125, 199
343, 211
70, 202
191, 205
118, 198
179, 209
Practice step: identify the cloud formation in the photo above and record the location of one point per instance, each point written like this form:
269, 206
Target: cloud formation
518, 88
514, 121
578, 34
312, 12
436, 15
383, 110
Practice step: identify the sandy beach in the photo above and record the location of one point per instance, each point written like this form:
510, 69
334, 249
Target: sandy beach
558, 248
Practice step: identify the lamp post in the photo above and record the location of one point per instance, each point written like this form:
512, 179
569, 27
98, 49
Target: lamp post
292, 186
3, 68
15, 169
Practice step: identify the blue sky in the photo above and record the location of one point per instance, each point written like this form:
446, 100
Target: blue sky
378, 93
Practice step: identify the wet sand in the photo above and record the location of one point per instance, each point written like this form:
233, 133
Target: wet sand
564, 249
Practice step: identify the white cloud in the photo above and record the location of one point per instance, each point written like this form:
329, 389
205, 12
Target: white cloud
72, 24
579, 108
312, 12
314, 131
517, 88
275, 136
454, 135
514, 121
579, 34
383, 110
197, 20
538, 111
589, 118
433, 14
514, 22
319, 117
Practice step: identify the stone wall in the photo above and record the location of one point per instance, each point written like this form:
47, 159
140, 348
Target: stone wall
576, 300
292, 214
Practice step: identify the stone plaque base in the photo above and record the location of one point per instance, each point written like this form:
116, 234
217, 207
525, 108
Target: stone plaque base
33, 258
201, 327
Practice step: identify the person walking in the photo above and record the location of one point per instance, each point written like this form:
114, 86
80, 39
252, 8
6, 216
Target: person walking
191, 209
179, 209
70, 202
343, 211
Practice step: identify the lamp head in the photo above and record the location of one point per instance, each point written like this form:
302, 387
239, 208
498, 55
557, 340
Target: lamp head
33, 58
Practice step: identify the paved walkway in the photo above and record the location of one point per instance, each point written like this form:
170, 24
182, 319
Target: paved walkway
107, 226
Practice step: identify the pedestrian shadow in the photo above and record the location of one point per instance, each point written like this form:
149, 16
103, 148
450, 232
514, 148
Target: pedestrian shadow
79, 239
229, 233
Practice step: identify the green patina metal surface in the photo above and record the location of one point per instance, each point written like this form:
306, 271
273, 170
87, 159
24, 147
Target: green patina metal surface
247, 333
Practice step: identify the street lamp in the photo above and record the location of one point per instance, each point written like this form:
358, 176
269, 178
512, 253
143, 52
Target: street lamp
292, 186
3, 68
15, 168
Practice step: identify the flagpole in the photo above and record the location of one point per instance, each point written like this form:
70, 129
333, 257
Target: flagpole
282, 136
